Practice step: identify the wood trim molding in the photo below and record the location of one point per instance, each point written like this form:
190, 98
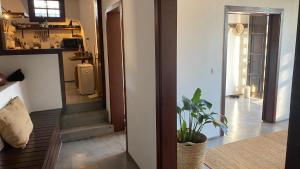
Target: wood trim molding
293, 144
100, 39
2, 35
118, 8
100, 42
272, 70
224, 65
252, 10
166, 82
62, 81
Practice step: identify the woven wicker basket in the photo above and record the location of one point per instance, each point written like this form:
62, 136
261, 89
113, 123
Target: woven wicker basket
190, 155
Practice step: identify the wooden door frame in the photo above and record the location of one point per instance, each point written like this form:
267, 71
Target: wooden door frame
293, 144
166, 82
166, 79
118, 5
100, 40
272, 63
245, 11
100, 43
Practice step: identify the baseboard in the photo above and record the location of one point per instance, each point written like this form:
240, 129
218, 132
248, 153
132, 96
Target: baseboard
43, 111
282, 120
130, 157
215, 137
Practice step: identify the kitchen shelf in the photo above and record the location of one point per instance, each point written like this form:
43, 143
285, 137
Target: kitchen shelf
48, 28
37, 27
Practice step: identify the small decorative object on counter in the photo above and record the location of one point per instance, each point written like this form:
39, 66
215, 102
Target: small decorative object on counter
16, 76
2, 79
43, 23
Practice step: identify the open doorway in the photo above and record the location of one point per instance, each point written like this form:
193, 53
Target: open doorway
86, 115
250, 69
116, 66
81, 62
109, 138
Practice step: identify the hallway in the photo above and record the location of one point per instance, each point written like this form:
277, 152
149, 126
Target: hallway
107, 152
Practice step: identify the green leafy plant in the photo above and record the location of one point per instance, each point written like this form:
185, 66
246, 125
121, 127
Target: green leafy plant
199, 115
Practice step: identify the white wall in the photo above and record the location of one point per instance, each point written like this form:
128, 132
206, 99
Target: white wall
12, 90
200, 49
139, 39
72, 9
88, 23
237, 52
15, 5
42, 78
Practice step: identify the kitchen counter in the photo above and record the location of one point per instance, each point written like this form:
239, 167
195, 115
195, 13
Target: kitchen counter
33, 51
44, 74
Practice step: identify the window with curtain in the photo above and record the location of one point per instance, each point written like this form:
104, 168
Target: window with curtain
51, 10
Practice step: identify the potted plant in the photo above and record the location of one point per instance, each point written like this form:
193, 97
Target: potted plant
193, 116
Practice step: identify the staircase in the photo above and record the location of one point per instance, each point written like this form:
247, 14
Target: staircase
84, 121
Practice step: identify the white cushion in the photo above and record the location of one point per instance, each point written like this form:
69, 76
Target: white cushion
15, 123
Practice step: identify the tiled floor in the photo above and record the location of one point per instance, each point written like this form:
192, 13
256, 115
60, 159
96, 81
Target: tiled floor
73, 96
107, 152
245, 121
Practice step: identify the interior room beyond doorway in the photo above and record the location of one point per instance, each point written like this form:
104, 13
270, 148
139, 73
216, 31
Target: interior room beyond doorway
247, 98
245, 73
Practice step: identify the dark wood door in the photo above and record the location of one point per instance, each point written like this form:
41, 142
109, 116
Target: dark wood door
2, 36
257, 53
271, 73
293, 145
116, 70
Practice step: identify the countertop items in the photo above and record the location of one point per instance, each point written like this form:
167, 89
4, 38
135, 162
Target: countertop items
16, 76
34, 51
38, 27
83, 56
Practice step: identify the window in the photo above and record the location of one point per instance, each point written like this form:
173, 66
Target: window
51, 10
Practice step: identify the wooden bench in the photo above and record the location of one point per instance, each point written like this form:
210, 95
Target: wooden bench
43, 148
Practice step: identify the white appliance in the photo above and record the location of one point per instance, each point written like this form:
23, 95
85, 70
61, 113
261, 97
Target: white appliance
86, 79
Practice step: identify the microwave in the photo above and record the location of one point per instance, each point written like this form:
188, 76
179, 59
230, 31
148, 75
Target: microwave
72, 43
